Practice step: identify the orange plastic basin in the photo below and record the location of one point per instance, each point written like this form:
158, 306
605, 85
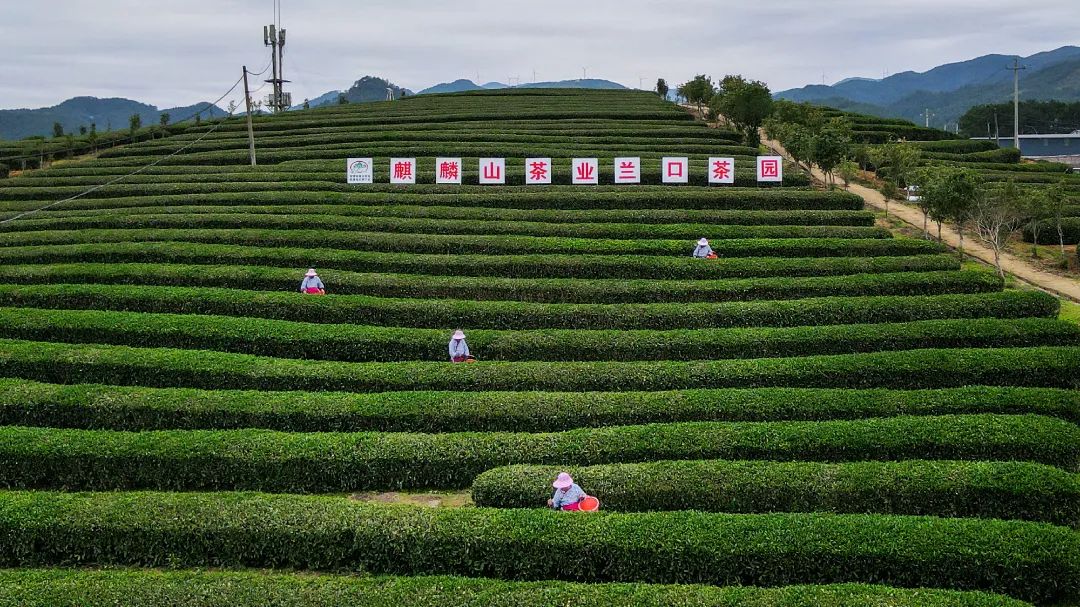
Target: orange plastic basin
589, 504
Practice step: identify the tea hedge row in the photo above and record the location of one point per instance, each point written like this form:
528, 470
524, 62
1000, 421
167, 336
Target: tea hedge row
421, 313
544, 197
551, 290
1006, 490
1031, 561
517, 266
748, 221
155, 588
287, 339
28, 403
489, 244
459, 227
262, 460
1049, 367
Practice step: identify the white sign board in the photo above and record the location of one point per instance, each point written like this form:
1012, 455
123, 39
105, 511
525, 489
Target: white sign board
403, 170
628, 170
675, 170
492, 171
537, 171
360, 170
448, 171
770, 169
585, 171
721, 170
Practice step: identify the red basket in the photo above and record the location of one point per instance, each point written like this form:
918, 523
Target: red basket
589, 504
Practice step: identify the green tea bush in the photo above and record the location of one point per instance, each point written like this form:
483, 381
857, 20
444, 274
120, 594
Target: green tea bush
152, 588
1030, 561
1048, 367
424, 313
1006, 490
551, 290
28, 403
358, 343
517, 266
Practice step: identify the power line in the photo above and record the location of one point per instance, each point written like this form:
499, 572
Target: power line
117, 179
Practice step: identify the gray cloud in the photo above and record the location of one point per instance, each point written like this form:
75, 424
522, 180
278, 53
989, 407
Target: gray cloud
190, 52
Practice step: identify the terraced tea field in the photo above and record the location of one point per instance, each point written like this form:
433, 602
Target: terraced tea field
825, 415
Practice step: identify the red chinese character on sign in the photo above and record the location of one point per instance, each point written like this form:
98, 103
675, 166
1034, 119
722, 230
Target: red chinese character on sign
538, 171
627, 169
493, 171
770, 168
674, 169
721, 169
449, 170
402, 170
585, 171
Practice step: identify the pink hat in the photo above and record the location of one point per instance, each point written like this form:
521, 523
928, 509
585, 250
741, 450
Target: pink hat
311, 272
459, 334
703, 242
563, 481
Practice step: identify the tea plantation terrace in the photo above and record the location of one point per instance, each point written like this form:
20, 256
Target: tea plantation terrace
824, 415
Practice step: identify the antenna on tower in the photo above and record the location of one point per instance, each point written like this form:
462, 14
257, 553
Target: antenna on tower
274, 37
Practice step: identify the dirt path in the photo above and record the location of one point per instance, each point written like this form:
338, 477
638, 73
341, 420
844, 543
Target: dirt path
1058, 285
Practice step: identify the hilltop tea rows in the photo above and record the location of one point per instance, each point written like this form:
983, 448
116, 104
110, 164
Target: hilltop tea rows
824, 415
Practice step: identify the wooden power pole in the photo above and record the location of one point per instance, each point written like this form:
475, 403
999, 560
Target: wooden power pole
250, 129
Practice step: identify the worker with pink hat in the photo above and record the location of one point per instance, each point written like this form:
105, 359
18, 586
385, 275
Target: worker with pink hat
568, 496
312, 284
459, 350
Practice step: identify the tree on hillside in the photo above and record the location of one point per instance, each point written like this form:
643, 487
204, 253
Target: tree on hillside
662, 88
92, 137
896, 163
698, 91
57, 129
164, 119
342, 99
996, 215
1036, 209
232, 107
307, 104
947, 194
82, 129
745, 103
1055, 201
134, 123
830, 146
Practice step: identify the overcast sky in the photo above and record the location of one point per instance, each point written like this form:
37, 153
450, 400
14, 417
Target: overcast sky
193, 51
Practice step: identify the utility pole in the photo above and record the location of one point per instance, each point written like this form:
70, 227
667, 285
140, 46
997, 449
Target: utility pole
928, 115
584, 75
251, 130
1016, 67
534, 76
279, 100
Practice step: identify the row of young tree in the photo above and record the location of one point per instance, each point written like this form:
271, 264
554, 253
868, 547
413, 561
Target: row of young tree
995, 212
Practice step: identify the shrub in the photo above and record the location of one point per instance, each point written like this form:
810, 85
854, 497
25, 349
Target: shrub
517, 266
511, 289
424, 313
1050, 367
1006, 490
344, 342
1032, 561
261, 460
452, 244
25, 403
151, 588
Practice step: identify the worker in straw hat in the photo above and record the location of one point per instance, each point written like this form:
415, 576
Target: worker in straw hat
459, 350
568, 496
312, 283
703, 250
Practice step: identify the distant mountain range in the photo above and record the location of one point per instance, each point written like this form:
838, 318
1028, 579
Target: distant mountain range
364, 90
84, 111
950, 90
462, 85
